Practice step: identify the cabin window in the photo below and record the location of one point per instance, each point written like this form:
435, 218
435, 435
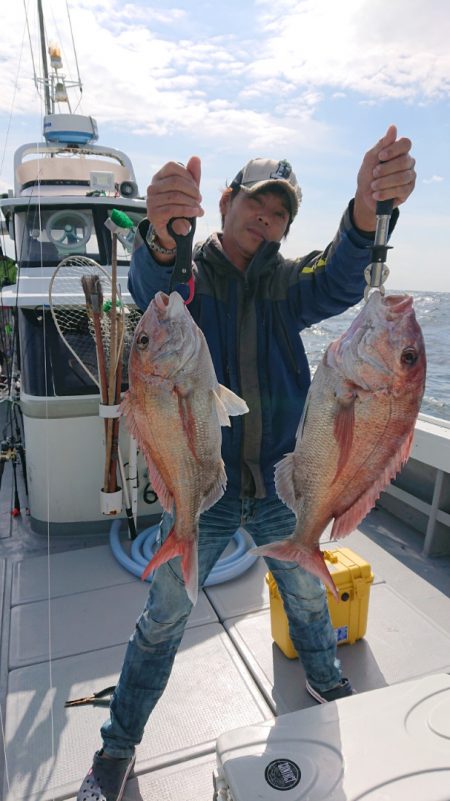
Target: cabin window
46, 236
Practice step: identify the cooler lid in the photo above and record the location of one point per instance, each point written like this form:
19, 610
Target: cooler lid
390, 743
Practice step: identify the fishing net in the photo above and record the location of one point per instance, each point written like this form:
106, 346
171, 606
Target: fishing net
84, 321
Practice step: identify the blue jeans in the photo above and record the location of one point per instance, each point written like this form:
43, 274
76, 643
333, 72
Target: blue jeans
152, 648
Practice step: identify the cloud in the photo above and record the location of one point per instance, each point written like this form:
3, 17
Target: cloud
435, 179
149, 69
139, 59
382, 50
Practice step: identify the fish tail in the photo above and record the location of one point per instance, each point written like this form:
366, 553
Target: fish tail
311, 560
187, 550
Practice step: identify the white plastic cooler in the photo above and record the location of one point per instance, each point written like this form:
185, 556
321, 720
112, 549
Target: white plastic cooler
391, 744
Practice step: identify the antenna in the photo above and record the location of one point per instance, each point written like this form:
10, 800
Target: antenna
55, 85
48, 104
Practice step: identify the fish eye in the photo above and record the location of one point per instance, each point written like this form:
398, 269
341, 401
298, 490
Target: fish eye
409, 356
142, 341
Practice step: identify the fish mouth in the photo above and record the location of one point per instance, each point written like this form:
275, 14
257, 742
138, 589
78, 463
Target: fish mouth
168, 306
161, 300
397, 304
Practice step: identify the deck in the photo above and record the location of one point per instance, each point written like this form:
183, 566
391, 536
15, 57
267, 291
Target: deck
228, 673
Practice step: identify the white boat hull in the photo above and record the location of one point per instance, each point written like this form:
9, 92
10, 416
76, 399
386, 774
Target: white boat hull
65, 464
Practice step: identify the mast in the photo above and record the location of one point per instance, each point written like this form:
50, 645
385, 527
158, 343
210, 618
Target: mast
48, 104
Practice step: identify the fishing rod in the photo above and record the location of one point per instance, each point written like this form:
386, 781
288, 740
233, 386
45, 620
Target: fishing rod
8, 453
12, 448
12, 452
73, 322
121, 227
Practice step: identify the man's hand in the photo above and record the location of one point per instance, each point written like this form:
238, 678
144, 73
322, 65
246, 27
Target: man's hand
387, 172
174, 192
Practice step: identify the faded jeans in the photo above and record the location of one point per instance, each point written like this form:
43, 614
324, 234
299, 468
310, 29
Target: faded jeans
153, 646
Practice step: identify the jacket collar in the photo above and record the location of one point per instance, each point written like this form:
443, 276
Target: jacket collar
264, 260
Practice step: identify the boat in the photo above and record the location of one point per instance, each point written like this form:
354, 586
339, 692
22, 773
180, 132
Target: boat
67, 603
65, 189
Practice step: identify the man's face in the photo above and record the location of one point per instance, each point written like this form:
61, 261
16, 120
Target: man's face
249, 220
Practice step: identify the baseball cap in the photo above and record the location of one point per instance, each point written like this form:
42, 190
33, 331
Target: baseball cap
259, 173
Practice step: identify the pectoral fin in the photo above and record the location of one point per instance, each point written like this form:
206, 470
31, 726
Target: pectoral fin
344, 426
284, 481
228, 404
187, 421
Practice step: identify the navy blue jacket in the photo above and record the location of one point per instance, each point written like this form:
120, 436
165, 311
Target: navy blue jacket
251, 321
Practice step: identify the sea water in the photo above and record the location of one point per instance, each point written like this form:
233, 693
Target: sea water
433, 315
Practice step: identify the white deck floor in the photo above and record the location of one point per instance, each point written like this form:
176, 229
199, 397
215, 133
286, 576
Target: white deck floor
228, 673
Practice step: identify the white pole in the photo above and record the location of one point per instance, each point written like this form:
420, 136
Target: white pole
133, 478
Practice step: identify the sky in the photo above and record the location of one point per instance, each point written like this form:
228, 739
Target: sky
314, 81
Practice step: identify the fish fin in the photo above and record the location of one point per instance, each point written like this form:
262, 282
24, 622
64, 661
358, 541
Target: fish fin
127, 409
228, 404
187, 421
187, 550
344, 426
158, 484
127, 405
311, 560
222, 414
284, 485
348, 520
216, 491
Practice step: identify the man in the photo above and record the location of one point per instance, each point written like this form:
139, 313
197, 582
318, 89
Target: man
251, 304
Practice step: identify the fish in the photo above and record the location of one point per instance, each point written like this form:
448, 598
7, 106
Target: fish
356, 430
175, 408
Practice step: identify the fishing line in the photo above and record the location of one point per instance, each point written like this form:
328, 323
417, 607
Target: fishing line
5, 759
15, 85
46, 447
36, 81
47, 471
75, 54
11, 416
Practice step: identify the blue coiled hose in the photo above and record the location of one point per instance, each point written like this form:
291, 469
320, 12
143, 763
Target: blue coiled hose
143, 547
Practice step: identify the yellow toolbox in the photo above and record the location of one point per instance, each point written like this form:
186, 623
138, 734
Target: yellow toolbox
353, 577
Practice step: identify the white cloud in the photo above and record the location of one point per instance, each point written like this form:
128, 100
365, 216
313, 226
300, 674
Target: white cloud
435, 179
137, 74
383, 50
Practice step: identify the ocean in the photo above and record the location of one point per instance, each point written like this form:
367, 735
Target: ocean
433, 315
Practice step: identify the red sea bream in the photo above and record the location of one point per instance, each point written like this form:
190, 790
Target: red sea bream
356, 431
175, 408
